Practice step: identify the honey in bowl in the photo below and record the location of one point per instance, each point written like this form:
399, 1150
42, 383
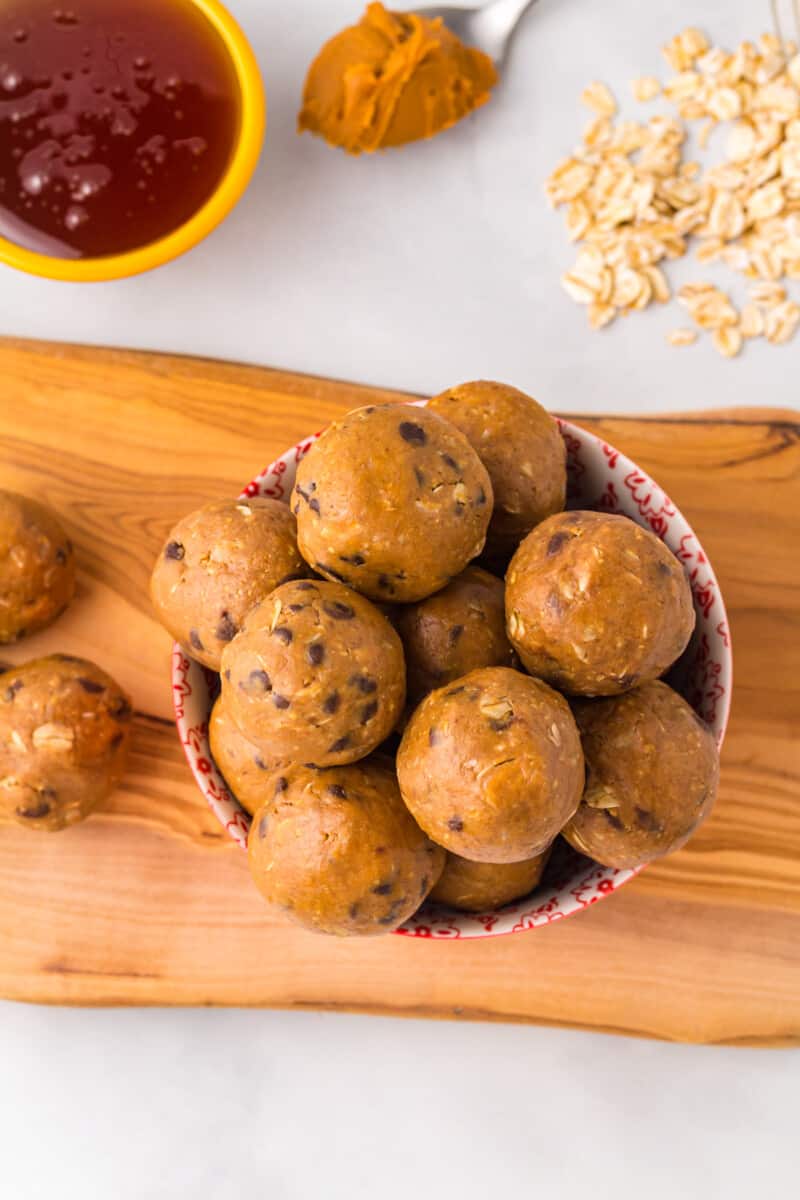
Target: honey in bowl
118, 119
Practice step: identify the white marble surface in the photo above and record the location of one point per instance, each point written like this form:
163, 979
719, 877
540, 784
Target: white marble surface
416, 269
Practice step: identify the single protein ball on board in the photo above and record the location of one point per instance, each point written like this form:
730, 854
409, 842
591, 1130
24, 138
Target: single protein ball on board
247, 771
521, 447
455, 631
392, 501
64, 738
393, 78
337, 851
316, 675
216, 564
652, 770
37, 566
491, 766
595, 604
483, 887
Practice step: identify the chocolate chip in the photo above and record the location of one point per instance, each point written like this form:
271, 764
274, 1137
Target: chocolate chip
357, 560
665, 568
456, 824
364, 684
500, 724
296, 509
295, 608
174, 550
392, 914
280, 701
556, 542
645, 820
120, 709
450, 462
337, 790
258, 760
117, 740
456, 691
340, 744
228, 674
281, 784
413, 434
316, 653
627, 681
35, 813
194, 638
325, 570
305, 586
257, 681
383, 889
13, 688
338, 611
262, 825
380, 849
300, 492
368, 711
226, 629
480, 499
331, 703
434, 737
385, 584
61, 557
353, 911
283, 634
313, 504
458, 508
612, 818
90, 686
455, 634
421, 480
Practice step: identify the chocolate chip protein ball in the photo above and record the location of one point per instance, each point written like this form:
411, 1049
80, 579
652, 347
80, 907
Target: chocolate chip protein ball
392, 501
652, 770
64, 737
595, 604
337, 851
316, 675
248, 773
521, 447
483, 887
491, 766
37, 566
216, 564
457, 630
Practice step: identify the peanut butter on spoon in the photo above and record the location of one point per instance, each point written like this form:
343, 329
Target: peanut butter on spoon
391, 79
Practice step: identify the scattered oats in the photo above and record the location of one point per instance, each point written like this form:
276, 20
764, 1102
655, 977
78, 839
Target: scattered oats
751, 321
599, 98
578, 289
601, 315
727, 340
658, 283
646, 87
682, 337
781, 323
725, 104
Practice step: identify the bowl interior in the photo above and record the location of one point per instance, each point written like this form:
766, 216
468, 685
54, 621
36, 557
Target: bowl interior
601, 478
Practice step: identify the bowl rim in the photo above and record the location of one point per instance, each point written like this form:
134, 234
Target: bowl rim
229, 190
588, 881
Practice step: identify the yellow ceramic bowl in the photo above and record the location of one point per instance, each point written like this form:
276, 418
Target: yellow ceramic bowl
228, 191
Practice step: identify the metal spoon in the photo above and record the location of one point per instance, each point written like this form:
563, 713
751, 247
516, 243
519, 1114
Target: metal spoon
488, 28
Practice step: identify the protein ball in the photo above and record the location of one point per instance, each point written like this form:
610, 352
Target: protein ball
483, 887
491, 767
316, 675
338, 852
216, 564
247, 771
37, 566
392, 501
455, 631
652, 770
595, 604
64, 738
521, 447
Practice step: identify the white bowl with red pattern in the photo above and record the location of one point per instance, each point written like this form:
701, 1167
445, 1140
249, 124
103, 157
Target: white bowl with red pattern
602, 478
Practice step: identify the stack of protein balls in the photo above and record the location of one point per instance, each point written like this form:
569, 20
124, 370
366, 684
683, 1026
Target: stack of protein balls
358, 614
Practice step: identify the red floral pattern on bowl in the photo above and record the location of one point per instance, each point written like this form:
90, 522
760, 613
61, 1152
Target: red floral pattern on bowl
600, 477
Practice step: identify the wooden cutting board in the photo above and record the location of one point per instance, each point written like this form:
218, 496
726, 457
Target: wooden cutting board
149, 903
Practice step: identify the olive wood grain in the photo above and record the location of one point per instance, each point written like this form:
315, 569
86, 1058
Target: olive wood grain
149, 903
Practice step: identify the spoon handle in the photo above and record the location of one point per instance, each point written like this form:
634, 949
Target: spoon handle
497, 22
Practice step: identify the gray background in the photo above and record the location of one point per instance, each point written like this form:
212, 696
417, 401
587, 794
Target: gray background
415, 269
